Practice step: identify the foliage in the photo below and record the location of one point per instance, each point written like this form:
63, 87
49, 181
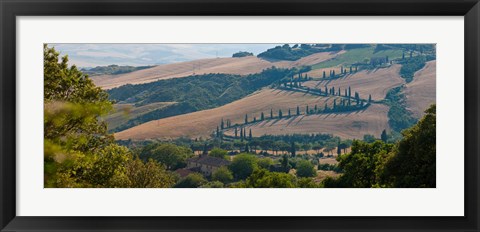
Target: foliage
305, 169
222, 174
296, 52
219, 153
243, 165
410, 163
412, 65
112, 70
78, 151
213, 184
261, 178
265, 163
399, 117
242, 54
170, 155
193, 180
363, 165
414, 161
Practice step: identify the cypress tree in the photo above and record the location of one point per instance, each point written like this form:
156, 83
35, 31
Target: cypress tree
341, 69
289, 113
298, 110
326, 91
218, 132
349, 92
280, 114
403, 55
339, 91
324, 75
271, 113
241, 134
246, 148
306, 110
333, 73
326, 108
222, 125
334, 104
254, 119
250, 134
236, 132
369, 98
262, 117
292, 149
350, 69
316, 109
356, 68
384, 136
246, 118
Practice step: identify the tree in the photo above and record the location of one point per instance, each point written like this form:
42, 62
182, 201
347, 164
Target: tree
285, 164
384, 136
305, 169
362, 167
413, 163
193, 180
261, 178
78, 151
170, 155
222, 174
324, 75
250, 134
236, 132
265, 163
243, 165
293, 149
145, 175
262, 117
289, 113
306, 109
369, 98
298, 110
350, 69
271, 113
219, 153
246, 119
222, 125
280, 115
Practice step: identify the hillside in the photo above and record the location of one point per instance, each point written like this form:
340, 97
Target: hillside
122, 113
345, 125
204, 123
237, 65
375, 82
420, 93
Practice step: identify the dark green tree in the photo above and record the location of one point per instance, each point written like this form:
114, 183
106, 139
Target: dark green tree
384, 136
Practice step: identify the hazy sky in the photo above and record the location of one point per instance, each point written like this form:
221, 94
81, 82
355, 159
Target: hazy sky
91, 55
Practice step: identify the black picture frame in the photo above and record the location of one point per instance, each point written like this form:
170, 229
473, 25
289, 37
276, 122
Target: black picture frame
10, 9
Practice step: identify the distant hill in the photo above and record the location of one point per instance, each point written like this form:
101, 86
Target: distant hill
238, 65
112, 70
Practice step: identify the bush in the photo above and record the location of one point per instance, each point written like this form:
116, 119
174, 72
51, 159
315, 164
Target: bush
193, 180
223, 175
305, 169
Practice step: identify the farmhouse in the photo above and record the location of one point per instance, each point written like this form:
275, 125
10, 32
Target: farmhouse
206, 164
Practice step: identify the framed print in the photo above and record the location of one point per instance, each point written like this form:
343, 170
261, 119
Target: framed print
259, 115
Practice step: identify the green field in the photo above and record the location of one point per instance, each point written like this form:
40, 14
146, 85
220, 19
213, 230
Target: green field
358, 55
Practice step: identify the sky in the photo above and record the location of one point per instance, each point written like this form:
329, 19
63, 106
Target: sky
92, 55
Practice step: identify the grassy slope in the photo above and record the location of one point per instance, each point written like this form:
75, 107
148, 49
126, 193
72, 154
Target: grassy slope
357, 55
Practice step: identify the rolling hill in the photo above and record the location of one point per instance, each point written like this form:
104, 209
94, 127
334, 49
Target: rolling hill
203, 123
375, 82
240, 66
420, 92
